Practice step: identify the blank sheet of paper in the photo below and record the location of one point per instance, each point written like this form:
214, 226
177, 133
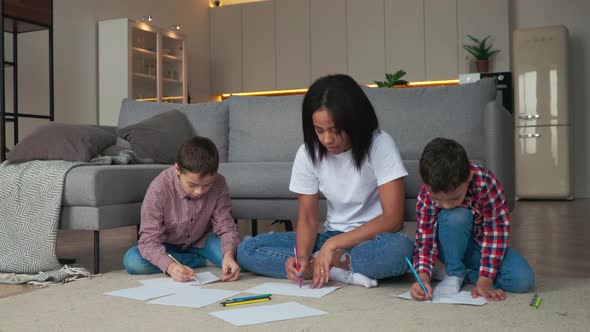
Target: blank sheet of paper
194, 297
291, 289
266, 313
204, 278
463, 297
143, 293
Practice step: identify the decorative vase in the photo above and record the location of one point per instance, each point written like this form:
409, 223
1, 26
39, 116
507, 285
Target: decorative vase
482, 66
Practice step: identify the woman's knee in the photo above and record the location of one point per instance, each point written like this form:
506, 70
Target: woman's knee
383, 256
247, 250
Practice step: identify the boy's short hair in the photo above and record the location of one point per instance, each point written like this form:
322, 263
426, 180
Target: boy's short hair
198, 155
444, 165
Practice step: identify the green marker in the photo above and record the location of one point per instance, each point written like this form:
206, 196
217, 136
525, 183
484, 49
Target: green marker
536, 305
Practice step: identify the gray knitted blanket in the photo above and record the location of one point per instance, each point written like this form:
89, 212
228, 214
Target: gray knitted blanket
30, 205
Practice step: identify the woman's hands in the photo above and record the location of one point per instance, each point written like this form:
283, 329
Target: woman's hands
317, 269
322, 265
305, 268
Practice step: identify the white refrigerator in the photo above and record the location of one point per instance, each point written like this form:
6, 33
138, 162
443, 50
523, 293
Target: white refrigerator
543, 128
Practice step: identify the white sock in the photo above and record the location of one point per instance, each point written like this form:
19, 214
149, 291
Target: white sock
450, 285
349, 277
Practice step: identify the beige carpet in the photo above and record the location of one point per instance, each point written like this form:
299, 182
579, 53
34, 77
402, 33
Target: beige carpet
81, 306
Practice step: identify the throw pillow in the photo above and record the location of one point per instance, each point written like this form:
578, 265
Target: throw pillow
159, 137
60, 141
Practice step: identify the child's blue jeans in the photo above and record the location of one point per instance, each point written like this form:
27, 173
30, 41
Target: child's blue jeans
193, 257
378, 258
461, 254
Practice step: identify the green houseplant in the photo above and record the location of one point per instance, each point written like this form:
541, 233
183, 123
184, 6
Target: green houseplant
392, 79
481, 51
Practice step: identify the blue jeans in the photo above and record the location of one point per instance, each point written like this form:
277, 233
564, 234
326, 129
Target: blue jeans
381, 257
461, 253
192, 257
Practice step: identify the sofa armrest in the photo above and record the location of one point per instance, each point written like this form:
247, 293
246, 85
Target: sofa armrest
110, 129
499, 154
99, 185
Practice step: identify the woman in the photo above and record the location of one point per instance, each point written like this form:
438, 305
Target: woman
357, 167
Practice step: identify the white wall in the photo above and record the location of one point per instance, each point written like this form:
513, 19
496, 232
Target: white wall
75, 56
573, 14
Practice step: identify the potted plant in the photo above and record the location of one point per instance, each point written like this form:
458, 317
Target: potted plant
392, 80
481, 51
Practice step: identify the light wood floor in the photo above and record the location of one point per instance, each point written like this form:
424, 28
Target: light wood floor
552, 235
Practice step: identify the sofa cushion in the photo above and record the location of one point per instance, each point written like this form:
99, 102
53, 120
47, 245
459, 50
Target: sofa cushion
207, 119
60, 141
414, 116
108, 184
258, 179
264, 128
158, 138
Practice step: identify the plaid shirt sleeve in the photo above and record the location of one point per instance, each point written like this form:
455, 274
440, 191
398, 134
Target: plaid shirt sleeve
426, 248
496, 227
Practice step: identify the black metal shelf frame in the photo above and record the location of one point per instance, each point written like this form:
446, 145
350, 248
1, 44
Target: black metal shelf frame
16, 26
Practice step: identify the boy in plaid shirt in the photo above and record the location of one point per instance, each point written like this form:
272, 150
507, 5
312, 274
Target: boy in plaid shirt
462, 218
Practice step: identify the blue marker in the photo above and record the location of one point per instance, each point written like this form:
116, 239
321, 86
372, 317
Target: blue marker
417, 278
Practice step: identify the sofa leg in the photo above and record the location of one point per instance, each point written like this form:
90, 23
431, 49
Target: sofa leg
288, 224
96, 252
254, 227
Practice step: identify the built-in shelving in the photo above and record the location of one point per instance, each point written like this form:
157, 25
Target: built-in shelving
154, 70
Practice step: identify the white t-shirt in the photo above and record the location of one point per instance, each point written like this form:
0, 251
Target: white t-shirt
352, 196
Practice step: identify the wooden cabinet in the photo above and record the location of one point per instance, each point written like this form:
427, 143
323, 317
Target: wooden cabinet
328, 38
480, 18
31, 11
141, 62
226, 49
404, 38
441, 39
365, 36
288, 44
292, 43
258, 45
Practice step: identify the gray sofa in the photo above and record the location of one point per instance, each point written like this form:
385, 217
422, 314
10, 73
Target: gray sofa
258, 137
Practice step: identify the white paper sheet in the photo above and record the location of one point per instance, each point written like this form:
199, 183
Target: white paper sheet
463, 297
266, 313
143, 292
195, 297
204, 278
291, 289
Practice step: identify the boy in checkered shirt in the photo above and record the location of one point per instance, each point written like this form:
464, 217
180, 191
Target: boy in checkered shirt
463, 219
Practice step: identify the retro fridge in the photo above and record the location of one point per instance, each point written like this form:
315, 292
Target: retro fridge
542, 120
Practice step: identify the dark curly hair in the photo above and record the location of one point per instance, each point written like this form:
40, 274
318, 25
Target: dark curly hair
444, 165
